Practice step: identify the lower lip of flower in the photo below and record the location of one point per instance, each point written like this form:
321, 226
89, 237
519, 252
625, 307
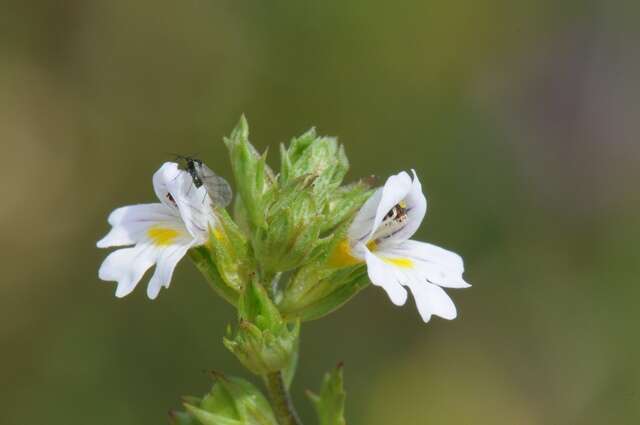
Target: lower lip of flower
162, 236
404, 263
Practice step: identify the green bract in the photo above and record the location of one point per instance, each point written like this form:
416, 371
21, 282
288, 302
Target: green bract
252, 175
264, 343
231, 401
329, 404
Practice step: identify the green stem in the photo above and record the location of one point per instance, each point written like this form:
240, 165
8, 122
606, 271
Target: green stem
282, 404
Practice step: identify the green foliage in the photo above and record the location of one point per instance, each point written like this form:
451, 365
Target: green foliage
252, 175
329, 403
317, 289
302, 205
325, 162
275, 261
230, 252
321, 157
293, 222
343, 203
231, 401
324, 285
293, 227
264, 342
202, 257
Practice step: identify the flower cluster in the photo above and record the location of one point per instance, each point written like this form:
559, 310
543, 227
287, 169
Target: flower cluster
300, 245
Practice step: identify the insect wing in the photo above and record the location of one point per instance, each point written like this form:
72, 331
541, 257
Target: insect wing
217, 187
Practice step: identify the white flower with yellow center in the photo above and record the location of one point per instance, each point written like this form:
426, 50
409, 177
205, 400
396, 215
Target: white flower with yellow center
161, 233
380, 236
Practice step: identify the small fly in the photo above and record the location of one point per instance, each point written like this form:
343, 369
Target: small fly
394, 221
397, 213
217, 187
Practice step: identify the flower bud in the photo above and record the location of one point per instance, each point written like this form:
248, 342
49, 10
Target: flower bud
263, 343
325, 161
321, 157
231, 401
306, 204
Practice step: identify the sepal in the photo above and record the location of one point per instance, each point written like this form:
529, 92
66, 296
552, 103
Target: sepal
316, 290
203, 259
230, 251
324, 285
224, 259
343, 203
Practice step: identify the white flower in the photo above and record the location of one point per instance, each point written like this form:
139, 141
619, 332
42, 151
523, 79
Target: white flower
380, 236
161, 233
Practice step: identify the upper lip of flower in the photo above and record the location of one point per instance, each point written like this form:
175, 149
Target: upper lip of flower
160, 232
371, 224
175, 189
380, 234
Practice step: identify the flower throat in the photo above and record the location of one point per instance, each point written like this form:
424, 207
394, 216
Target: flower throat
393, 222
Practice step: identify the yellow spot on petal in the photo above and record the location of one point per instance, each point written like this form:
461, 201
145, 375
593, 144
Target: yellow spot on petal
342, 257
403, 205
404, 263
162, 236
373, 246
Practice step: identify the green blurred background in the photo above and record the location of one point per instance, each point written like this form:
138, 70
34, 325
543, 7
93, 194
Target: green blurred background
521, 119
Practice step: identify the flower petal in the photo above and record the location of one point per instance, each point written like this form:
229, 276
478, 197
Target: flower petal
175, 188
168, 172
194, 205
127, 266
130, 223
435, 264
432, 300
140, 212
416, 208
362, 225
384, 275
165, 266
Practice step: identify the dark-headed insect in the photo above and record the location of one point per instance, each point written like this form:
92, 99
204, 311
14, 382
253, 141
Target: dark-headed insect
217, 187
397, 213
394, 221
